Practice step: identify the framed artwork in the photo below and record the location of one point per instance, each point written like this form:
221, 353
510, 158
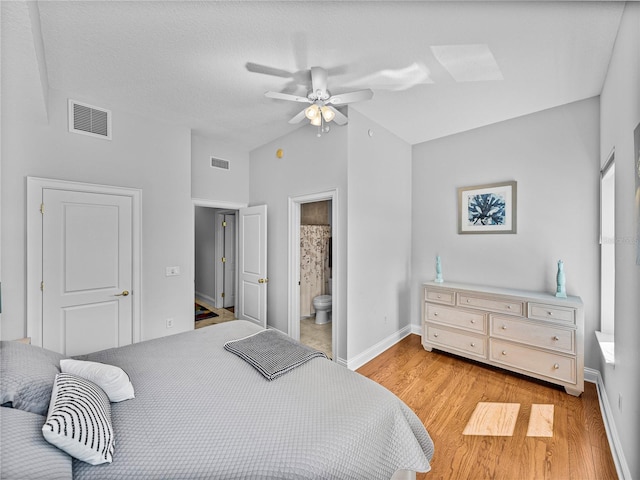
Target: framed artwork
487, 208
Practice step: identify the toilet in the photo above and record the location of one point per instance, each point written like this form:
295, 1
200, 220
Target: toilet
322, 306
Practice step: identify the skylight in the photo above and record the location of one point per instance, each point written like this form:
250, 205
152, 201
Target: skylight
468, 63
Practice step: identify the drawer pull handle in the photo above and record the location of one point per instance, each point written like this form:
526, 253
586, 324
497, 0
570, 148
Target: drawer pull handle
550, 313
508, 307
556, 338
439, 296
435, 335
473, 344
504, 327
468, 301
435, 314
504, 352
556, 366
473, 321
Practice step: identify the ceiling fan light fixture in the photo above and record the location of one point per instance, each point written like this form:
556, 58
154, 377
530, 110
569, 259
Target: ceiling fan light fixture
312, 112
327, 113
316, 121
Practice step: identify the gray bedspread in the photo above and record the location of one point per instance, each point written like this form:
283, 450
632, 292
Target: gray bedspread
202, 412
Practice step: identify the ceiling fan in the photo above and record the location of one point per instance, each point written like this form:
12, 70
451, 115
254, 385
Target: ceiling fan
322, 103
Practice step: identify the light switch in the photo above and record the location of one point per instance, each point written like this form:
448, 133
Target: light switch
172, 271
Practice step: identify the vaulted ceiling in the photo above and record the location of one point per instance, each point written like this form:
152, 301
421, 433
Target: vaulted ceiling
436, 68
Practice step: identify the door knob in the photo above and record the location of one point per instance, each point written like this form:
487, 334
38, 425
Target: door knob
263, 280
123, 294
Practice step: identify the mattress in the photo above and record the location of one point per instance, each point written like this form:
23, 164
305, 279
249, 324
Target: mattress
202, 412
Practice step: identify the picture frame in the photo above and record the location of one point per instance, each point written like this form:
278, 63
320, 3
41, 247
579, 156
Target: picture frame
490, 208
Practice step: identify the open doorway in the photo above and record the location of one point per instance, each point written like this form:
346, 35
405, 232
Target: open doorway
313, 317
215, 265
315, 275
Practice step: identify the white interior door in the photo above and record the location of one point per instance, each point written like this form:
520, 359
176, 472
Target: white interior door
86, 271
252, 268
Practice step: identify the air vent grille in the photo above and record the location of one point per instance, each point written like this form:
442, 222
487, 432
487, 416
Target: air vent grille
219, 163
89, 120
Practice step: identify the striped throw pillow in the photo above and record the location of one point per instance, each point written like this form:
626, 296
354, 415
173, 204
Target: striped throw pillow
79, 420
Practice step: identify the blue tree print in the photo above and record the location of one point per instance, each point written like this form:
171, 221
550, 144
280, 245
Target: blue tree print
486, 209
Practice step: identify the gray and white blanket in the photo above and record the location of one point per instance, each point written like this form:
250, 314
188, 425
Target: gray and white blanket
272, 353
201, 412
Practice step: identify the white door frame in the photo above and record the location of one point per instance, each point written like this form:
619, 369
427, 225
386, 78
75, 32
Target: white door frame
35, 186
220, 247
294, 264
217, 204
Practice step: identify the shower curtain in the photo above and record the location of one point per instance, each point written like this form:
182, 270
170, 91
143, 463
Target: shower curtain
314, 265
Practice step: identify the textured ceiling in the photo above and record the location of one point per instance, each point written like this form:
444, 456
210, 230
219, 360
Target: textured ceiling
184, 62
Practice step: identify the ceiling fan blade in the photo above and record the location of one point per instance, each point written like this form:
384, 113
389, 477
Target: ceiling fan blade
340, 118
344, 98
276, 72
298, 118
286, 96
318, 79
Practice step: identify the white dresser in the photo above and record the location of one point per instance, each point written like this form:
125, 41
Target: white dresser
532, 333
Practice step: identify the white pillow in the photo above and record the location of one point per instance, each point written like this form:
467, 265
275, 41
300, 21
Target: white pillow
79, 420
113, 380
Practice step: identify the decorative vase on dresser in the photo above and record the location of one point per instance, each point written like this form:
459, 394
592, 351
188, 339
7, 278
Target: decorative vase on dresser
532, 333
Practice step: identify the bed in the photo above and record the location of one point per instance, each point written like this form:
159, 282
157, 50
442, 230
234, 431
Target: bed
201, 411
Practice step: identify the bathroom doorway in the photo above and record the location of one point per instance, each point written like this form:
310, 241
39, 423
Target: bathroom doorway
315, 275
313, 312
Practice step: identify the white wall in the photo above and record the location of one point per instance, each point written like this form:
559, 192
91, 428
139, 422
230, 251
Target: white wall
379, 245
553, 155
620, 115
145, 154
223, 186
309, 165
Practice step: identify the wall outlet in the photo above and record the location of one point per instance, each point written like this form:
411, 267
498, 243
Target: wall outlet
169, 322
172, 271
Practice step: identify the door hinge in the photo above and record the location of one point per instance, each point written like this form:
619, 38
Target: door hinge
224, 259
42, 208
42, 286
224, 223
222, 294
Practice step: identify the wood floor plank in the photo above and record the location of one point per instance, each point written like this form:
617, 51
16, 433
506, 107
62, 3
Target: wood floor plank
444, 390
493, 419
540, 421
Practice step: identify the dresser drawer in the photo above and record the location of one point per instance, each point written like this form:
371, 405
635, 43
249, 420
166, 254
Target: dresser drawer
551, 365
499, 305
447, 297
535, 334
552, 313
456, 317
456, 340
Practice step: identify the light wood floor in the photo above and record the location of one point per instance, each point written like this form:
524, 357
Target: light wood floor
444, 391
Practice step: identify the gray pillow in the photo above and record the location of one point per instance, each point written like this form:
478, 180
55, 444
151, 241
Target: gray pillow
27, 373
25, 453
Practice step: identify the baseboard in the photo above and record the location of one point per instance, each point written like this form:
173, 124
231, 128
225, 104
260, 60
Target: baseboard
378, 348
211, 301
622, 467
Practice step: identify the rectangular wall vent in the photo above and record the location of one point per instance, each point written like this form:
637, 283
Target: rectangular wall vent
219, 163
89, 120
